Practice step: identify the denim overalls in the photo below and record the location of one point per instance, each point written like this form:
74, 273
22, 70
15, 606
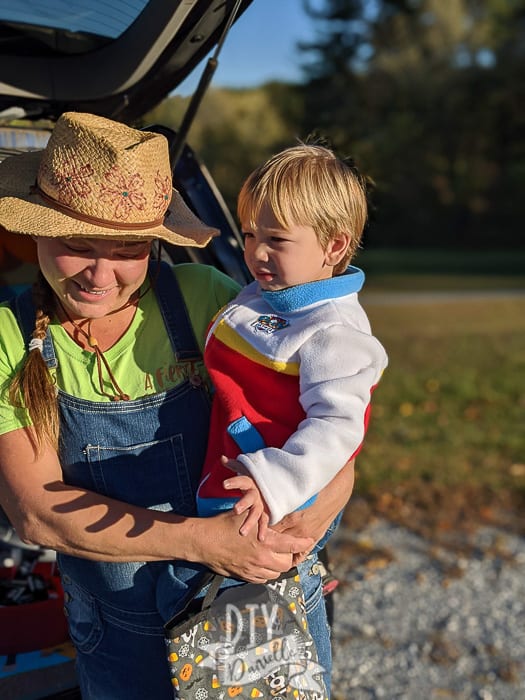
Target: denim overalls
147, 452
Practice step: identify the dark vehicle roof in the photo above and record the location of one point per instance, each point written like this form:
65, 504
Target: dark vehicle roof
116, 58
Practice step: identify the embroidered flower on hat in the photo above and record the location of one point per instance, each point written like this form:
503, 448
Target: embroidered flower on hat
162, 192
72, 180
124, 192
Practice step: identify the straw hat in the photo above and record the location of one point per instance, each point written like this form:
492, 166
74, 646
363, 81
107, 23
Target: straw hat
101, 179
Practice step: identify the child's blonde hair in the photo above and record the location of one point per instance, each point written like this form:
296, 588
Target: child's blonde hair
308, 185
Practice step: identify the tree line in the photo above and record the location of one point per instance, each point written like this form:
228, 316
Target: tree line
427, 97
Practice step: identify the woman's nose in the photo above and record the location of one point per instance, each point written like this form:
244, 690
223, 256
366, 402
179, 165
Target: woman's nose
100, 272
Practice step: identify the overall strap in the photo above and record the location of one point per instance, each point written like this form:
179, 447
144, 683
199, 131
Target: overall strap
24, 310
174, 312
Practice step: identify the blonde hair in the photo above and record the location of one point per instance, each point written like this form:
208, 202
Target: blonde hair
32, 387
308, 185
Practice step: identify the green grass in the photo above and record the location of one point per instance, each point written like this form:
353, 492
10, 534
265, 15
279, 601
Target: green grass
450, 407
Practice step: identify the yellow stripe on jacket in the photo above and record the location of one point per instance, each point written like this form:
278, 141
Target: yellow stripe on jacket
233, 340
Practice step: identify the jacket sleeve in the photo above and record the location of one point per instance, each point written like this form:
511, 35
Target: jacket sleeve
339, 368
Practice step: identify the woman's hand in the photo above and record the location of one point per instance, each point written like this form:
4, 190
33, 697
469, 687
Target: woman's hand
218, 544
245, 557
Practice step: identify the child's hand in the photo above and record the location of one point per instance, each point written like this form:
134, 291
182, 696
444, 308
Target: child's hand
251, 501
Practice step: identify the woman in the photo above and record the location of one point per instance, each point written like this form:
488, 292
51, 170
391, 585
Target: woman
104, 413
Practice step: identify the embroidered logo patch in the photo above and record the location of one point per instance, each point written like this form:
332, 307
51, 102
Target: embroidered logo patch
270, 324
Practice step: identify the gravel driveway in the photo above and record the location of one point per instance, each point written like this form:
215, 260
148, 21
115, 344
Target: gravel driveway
415, 620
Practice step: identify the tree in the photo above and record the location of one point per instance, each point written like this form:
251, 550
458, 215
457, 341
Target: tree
428, 96
236, 130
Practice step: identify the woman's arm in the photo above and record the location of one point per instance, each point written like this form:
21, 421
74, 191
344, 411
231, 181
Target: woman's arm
314, 520
46, 511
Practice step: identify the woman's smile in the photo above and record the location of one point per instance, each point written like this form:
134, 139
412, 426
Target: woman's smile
94, 292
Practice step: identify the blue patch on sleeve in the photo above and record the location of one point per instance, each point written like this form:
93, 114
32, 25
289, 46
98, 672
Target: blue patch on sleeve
246, 436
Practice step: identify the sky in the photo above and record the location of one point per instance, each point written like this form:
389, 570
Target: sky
259, 47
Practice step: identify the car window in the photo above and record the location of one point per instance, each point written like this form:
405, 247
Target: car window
101, 17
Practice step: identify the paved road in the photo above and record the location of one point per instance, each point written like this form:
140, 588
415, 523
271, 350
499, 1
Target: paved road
397, 297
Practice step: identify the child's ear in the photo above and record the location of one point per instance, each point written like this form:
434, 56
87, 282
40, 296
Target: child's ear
336, 248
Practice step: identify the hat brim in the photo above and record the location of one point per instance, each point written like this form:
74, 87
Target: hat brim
25, 212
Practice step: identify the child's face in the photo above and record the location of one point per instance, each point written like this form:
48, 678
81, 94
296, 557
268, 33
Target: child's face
280, 258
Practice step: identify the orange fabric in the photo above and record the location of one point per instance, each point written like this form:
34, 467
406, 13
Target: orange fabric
13, 245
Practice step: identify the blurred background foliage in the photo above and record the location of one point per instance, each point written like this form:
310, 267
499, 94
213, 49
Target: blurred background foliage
427, 96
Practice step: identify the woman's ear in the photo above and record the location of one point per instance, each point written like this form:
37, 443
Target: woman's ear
337, 248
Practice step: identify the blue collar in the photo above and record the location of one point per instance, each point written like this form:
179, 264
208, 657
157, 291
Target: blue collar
294, 298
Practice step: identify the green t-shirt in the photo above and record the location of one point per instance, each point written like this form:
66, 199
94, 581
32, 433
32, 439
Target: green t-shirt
142, 361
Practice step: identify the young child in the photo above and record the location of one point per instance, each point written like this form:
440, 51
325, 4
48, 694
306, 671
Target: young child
292, 358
